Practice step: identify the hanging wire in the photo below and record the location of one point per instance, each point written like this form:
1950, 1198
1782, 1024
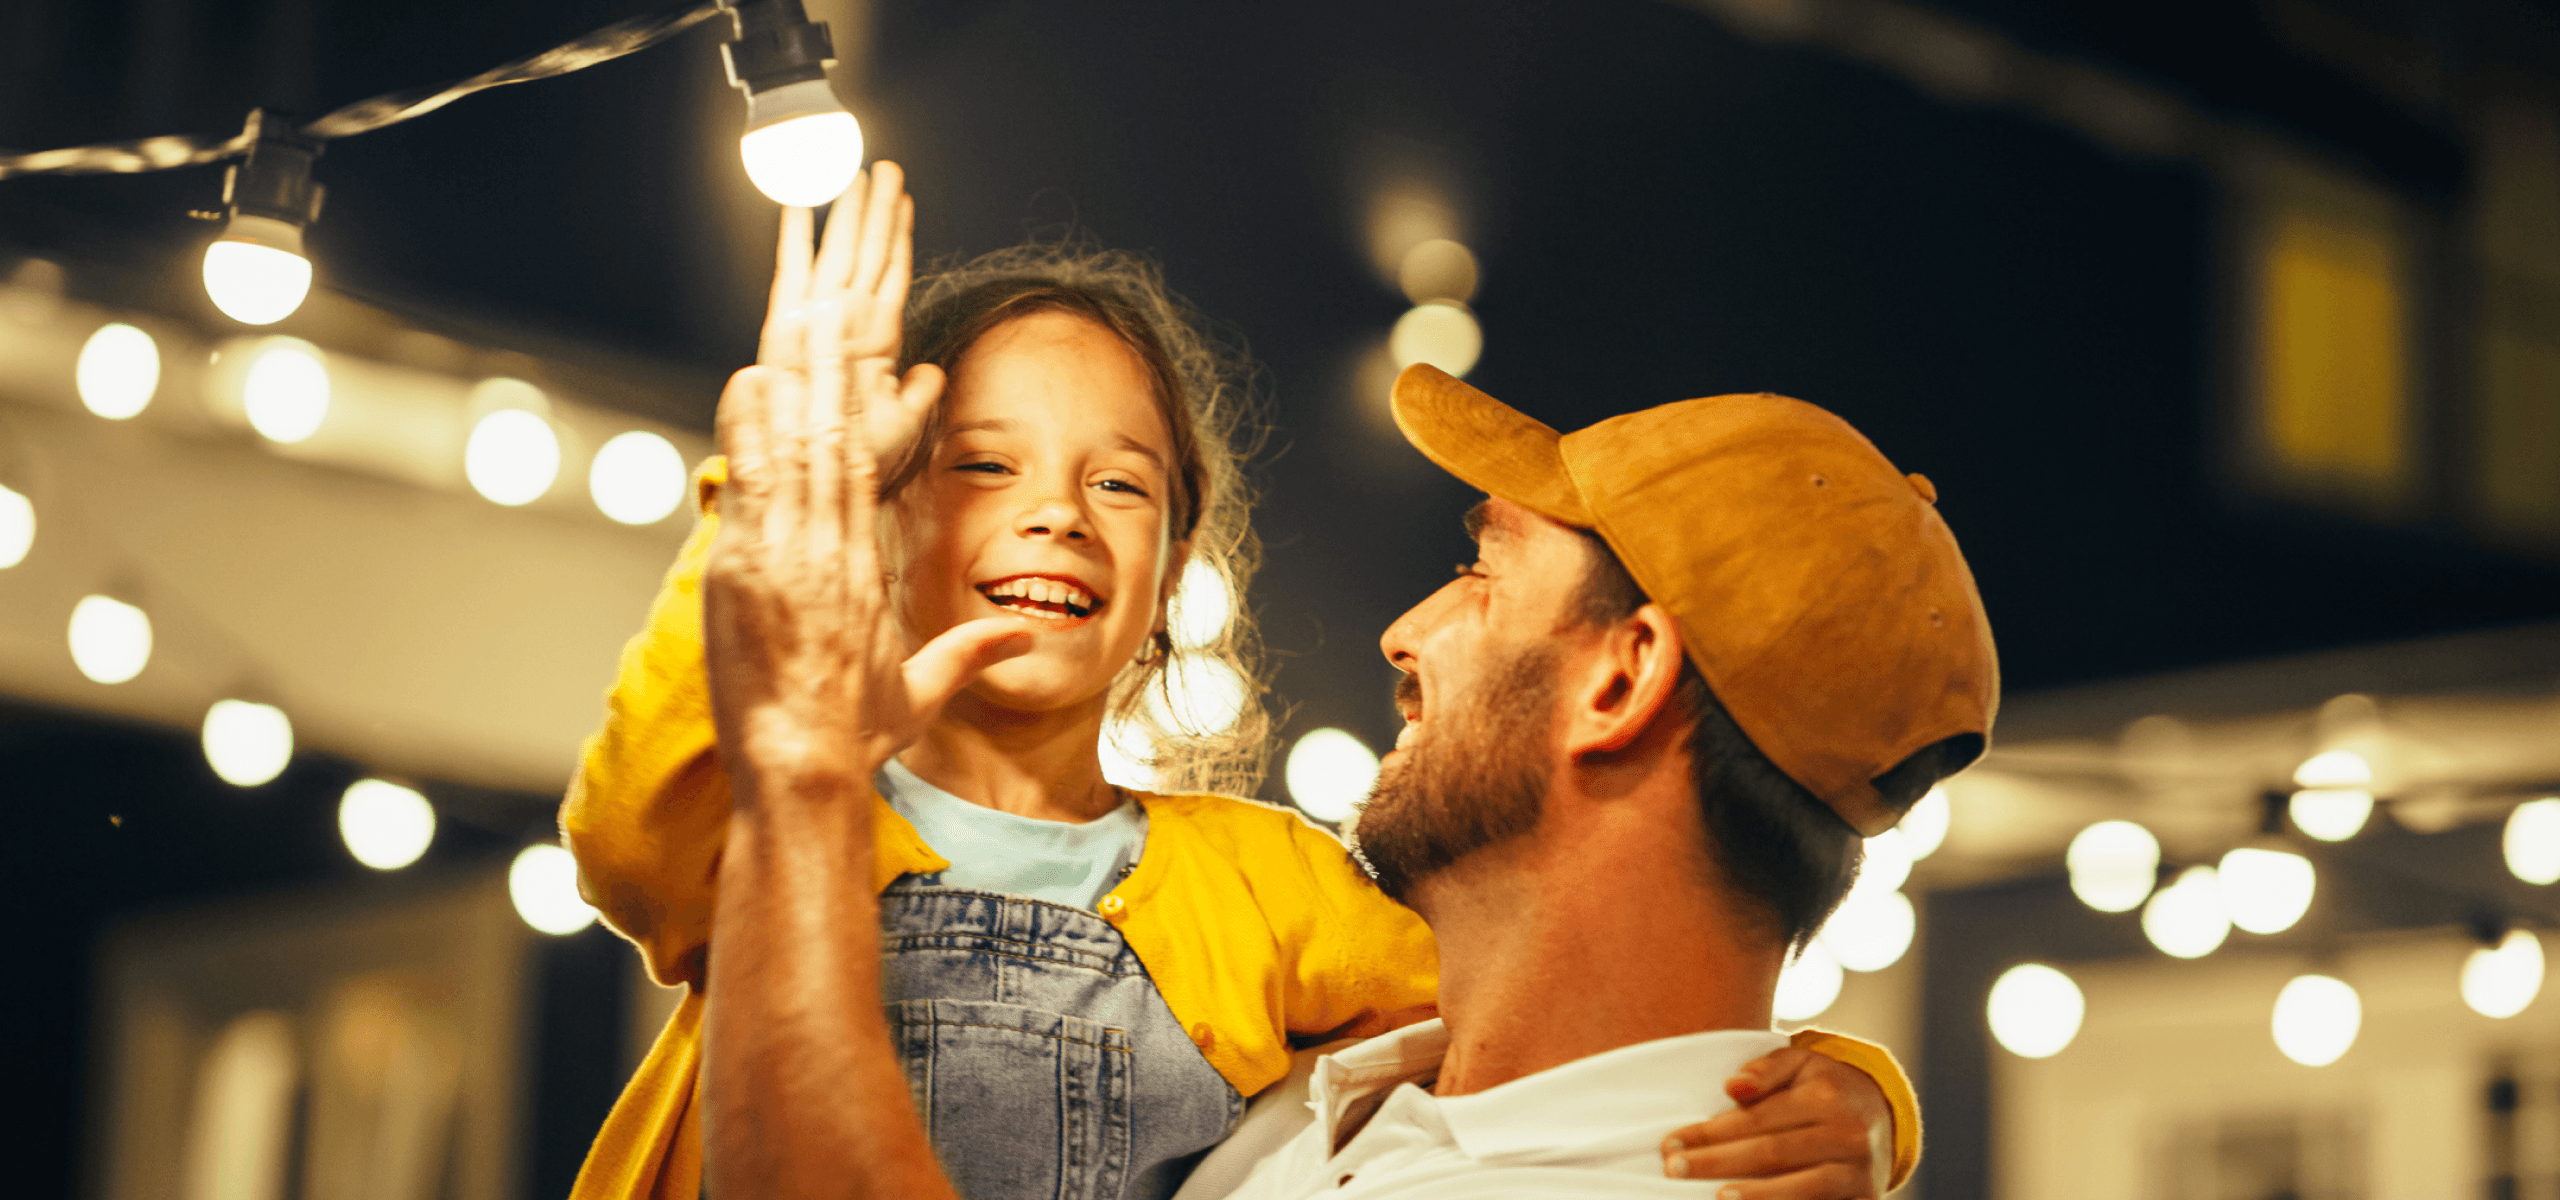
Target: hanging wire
364, 116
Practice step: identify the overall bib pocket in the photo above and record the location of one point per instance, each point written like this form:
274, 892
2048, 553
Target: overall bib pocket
1049, 1093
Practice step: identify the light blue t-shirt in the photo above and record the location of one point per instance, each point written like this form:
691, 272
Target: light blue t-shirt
1062, 862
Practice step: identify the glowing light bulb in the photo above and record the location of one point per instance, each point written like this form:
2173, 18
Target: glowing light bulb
386, 827
1128, 759
637, 478
1888, 862
1330, 772
2035, 1010
2533, 840
255, 274
2330, 814
1202, 606
2333, 769
2500, 982
110, 639
17, 527
1924, 828
1871, 929
1440, 333
2316, 1019
512, 457
801, 147
1806, 986
286, 392
544, 884
1438, 269
247, 743
2186, 918
119, 369
2265, 891
2113, 865
1199, 696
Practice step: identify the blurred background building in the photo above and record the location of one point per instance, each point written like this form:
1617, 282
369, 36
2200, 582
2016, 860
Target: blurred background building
2228, 332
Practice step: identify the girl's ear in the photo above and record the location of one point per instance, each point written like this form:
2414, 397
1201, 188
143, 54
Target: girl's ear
1175, 560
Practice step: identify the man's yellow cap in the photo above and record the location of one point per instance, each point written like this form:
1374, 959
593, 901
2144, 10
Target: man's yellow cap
1815, 586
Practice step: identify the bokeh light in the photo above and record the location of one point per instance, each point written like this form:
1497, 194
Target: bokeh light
806, 160
637, 478
1200, 696
387, 827
544, 884
2035, 1010
2501, 981
2113, 865
1924, 828
1202, 607
512, 457
2333, 769
255, 285
2330, 814
2265, 891
2186, 919
1440, 333
1330, 773
2316, 1019
247, 743
2533, 840
119, 369
17, 527
1888, 862
110, 639
286, 392
1871, 930
1438, 269
1128, 759
1806, 986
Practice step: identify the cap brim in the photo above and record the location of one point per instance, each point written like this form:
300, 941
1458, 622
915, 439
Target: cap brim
1491, 445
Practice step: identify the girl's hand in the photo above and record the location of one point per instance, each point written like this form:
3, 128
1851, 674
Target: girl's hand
856, 280
1808, 1128
812, 686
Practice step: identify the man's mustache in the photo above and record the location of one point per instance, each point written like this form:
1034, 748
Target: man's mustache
1408, 693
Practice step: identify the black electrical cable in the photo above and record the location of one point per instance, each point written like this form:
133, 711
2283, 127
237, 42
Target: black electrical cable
364, 116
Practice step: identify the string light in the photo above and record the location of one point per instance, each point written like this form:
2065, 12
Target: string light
2316, 1019
247, 743
637, 478
17, 527
386, 827
543, 882
2500, 981
286, 392
2186, 919
1200, 696
801, 147
2114, 865
119, 369
1441, 333
2532, 841
2265, 891
1202, 606
2333, 803
1924, 828
1330, 772
256, 271
110, 639
512, 457
1807, 985
2035, 1010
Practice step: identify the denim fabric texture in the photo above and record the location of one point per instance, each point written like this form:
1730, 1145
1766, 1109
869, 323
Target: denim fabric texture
1043, 1060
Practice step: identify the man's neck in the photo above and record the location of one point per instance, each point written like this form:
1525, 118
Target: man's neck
1576, 941
1039, 765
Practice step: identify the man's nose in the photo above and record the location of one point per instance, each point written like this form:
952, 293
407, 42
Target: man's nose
1398, 642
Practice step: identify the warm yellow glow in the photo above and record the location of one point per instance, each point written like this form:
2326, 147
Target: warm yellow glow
2333, 769
2265, 891
2501, 982
255, 285
2113, 865
1440, 333
1128, 759
1438, 269
239, 1138
2333, 349
1871, 930
386, 827
2186, 919
110, 639
1924, 828
2533, 840
512, 457
805, 161
1330, 773
2316, 1019
1202, 606
286, 392
1199, 696
118, 371
247, 743
2330, 814
2035, 1010
544, 884
637, 478
17, 527
1806, 986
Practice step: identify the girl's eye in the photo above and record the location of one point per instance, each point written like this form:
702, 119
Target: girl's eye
990, 468
1121, 485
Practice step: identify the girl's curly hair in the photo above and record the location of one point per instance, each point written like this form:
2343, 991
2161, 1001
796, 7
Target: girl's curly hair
1203, 388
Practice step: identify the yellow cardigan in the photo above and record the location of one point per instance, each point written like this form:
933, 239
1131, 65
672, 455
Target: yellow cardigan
1255, 926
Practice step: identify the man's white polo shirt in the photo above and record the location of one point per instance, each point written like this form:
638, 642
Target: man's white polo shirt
1592, 1127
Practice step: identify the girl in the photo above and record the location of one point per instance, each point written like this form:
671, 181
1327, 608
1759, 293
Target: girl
1086, 982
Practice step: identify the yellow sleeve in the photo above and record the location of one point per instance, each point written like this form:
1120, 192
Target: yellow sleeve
1356, 964
648, 810
1878, 1064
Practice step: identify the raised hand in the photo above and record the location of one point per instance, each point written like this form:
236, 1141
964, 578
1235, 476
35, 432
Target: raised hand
855, 281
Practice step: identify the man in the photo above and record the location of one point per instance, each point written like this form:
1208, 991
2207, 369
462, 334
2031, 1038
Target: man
1704, 648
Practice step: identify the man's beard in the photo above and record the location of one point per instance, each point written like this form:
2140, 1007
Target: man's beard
1478, 778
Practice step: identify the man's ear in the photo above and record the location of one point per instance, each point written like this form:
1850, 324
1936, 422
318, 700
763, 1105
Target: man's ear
1634, 673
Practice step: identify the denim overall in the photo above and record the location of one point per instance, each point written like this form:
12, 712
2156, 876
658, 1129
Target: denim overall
1040, 1055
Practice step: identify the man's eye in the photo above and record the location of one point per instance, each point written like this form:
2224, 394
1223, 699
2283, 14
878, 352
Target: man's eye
1467, 569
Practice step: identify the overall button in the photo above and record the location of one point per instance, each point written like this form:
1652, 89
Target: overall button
1113, 906
1203, 1036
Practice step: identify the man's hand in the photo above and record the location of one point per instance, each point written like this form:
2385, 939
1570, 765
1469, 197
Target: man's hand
1808, 1128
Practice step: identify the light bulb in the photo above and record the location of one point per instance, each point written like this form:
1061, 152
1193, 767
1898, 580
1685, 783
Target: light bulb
2501, 982
2265, 891
1330, 772
1440, 333
387, 826
1128, 759
2186, 919
512, 457
544, 884
2035, 1010
2331, 814
2316, 1019
2113, 865
119, 369
1201, 607
286, 392
1924, 828
2533, 840
1199, 696
801, 147
1806, 986
247, 743
637, 478
255, 271
2333, 769
17, 527
1870, 930
110, 639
